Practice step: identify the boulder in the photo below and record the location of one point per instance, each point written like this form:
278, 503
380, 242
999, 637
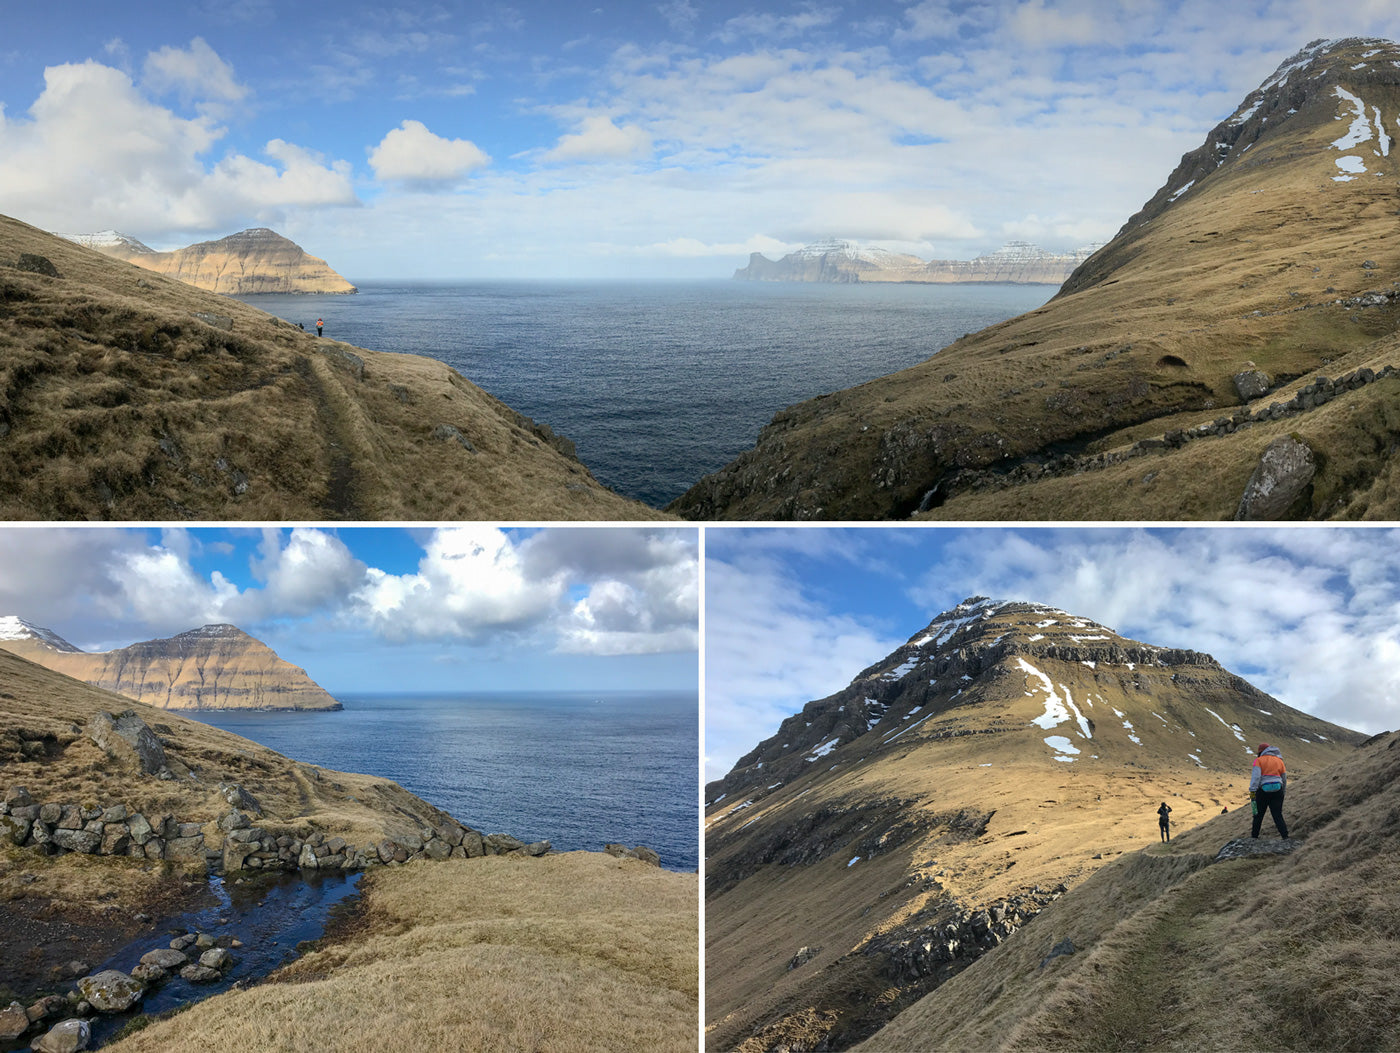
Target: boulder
18, 797
165, 958
77, 840
1252, 383
199, 974
111, 991
1280, 481
239, 798
67, 1036
140, 829
216, 958
14, 829
472, 844
537, 848
147, 974
500, 844
36, 264
14, 1021
127, 738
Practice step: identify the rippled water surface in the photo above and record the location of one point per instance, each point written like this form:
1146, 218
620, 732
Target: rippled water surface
579, 770
659, 383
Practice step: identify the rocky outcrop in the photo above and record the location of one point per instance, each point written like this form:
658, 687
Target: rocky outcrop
257, 260
126, 737
213, 667
841, 261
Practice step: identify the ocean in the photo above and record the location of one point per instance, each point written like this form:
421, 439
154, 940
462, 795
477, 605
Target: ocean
578, 769
659, 383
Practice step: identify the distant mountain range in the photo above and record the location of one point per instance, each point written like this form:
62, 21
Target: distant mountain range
212, 667
1017, 262
891, 833
257, 260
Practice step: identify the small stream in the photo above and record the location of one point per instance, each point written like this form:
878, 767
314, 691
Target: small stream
269, 916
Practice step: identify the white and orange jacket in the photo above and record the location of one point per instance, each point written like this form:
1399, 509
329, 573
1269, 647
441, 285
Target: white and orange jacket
1268, 774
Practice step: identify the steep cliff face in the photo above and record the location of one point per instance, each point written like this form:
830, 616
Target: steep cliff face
257, 260
1264, 269
1018, 262
213, 667
889, 834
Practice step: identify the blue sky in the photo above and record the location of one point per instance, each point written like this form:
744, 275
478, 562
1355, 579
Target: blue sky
1309, 614
633, 139
369, 609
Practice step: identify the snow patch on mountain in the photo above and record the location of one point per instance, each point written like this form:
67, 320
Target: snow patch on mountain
107, 239
14, 628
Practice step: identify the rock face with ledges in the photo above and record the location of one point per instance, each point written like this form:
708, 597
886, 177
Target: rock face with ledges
213, 667
257, 260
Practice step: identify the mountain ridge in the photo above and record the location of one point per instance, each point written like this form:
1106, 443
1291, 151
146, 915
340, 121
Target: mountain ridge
835, 260
210, 667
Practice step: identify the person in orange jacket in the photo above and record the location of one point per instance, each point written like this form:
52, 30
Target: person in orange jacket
1267, 782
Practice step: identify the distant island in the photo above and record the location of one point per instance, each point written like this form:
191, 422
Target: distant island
212, 667
257, 260
1017, 262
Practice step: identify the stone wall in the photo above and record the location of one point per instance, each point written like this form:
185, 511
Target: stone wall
236, 843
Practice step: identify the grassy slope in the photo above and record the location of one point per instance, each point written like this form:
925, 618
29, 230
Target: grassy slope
1239, 273
117, 403
575, 952
1278, 952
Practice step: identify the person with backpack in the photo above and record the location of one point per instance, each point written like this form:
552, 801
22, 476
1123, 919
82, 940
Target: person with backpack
1164, 823
1267, 782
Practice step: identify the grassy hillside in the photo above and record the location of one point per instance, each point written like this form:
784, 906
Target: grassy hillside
575, 952
1006, 753
1258, 254
130, 395
1175, 951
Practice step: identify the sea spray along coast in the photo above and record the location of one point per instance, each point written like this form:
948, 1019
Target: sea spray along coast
123, 821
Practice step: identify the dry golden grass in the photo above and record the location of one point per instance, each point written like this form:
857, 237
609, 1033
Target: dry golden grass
1177, 953
564, 954
117, 403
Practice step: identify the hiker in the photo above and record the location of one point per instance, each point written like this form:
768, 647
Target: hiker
319, 324
1267, 782
1163, 822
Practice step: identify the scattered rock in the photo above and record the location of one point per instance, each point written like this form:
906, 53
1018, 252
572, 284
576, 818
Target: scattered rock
1064, 947
1252, 383
68, 1036
218, 321
447, 432
1255, 846
111, 991
14, 1021
35, 264
642, 852
164, 958
126, 737
1281, 478
802, 957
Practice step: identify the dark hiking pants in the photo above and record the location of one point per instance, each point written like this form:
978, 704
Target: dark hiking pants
1274, 803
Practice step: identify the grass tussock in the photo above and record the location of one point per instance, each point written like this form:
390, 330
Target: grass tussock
564, 954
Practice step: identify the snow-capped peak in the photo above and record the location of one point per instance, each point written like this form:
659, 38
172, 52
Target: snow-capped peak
14, 628
108, 239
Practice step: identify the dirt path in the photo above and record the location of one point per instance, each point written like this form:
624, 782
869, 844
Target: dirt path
340, 500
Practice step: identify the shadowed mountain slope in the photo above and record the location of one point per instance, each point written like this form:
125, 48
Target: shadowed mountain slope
212, 667
129, 395
1263, 271
1175, 948
891, 833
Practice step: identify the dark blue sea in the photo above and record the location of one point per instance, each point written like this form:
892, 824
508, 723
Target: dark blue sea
580, 770
658, 383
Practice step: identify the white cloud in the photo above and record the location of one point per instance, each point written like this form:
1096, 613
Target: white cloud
411, 153
770, 647
598, 138
196, 73
96, 153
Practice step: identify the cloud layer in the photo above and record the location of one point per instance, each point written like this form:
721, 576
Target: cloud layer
1312, 616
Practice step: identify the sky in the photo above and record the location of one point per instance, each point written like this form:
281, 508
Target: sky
632, 139
371, 610
1310, 615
